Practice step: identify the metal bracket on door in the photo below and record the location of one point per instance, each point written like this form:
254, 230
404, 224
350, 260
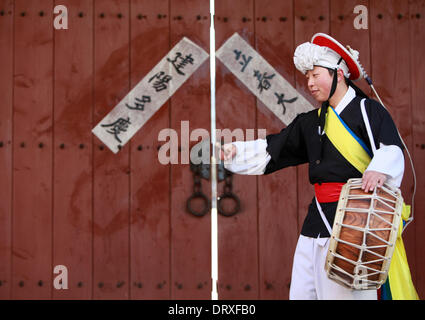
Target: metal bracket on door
201, 170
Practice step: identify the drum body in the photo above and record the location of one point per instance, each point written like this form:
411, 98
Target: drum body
364, 235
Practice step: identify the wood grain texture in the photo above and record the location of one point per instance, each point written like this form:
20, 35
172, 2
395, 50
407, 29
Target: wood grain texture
277, 196
111, 182
6, 128
150, 228
416, 249
190, 236
236, 108
72, 151
32, 151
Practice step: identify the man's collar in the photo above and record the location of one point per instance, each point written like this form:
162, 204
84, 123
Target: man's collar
349, 95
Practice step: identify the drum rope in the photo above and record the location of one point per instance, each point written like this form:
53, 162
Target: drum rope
363, 270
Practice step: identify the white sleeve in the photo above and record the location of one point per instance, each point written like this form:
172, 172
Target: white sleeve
251, 157
390, 161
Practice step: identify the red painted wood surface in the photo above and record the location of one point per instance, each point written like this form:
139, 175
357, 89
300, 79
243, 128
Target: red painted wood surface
111, 181
190, 235
236, 108
32, 150
277, 195
6, 127
149, 179
72, 151
119, 222
389, 30
417, 68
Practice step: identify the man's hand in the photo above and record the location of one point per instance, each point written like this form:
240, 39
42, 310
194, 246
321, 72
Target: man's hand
371, 179
227, 152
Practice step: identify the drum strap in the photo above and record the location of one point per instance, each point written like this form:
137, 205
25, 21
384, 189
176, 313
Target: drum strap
325, 221
367, 124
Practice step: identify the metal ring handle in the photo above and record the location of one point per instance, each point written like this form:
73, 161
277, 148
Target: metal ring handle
235, 199
206, 204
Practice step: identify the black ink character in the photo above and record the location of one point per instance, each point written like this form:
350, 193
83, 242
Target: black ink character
117, 127
263, 80
139, 103
182, 62
280, 100
244, 61
161, 82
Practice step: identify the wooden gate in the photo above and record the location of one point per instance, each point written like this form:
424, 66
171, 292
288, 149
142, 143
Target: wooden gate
118, 222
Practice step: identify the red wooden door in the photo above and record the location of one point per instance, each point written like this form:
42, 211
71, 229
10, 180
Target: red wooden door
236, 108
416, 16
73, 151
149, 188
6, 133
32, 151
118, 222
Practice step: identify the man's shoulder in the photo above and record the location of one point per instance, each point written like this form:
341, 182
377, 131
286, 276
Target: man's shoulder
305, 116
374, 107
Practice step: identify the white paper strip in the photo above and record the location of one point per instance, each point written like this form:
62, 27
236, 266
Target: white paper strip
262, 79
138, 106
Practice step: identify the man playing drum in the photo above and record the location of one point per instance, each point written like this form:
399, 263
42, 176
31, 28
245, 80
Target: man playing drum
329, 69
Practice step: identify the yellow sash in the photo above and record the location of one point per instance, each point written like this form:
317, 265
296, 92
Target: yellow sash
345, 141
354, 151
399, 276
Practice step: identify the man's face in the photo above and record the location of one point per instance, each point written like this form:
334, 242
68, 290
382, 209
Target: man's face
319, 82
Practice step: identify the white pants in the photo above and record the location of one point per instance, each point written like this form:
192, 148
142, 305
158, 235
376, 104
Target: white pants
309, 279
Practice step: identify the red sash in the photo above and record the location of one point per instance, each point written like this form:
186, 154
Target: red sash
328, 191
